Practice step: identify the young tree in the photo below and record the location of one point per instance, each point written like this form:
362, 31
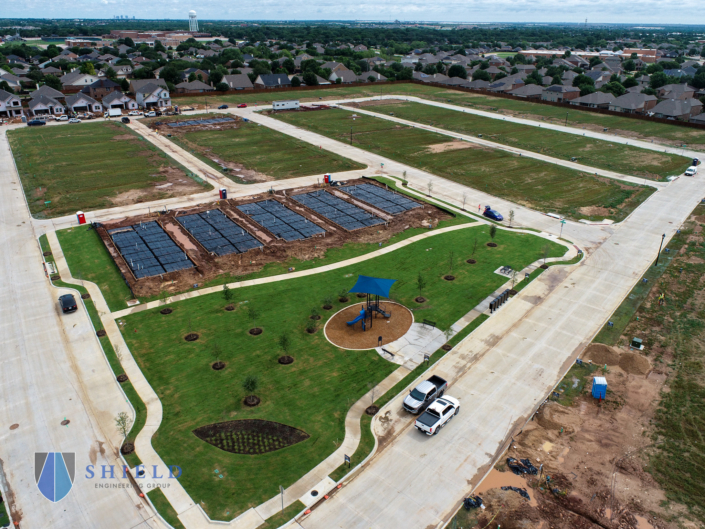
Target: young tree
545, 250
465, 199
429, 186
253, 313
216, 352
285, 343
123, 423
493, 231
250, 384
514, 278
451, 255
474, 247
511, 216
420, 283
228, 293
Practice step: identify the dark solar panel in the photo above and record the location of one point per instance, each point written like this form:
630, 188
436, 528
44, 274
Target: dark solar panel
280, 220
148, 250
381, 198
349, 216
192, 122
217, 233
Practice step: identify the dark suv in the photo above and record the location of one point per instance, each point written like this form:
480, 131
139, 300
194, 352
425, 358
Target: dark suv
36, 123
68, 303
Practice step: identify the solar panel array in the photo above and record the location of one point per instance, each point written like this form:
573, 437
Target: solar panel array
381, 198
192, 122
349, 216
280, 220
148, 250
218, 233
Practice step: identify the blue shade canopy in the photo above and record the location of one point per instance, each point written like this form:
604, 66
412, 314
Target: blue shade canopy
373, 285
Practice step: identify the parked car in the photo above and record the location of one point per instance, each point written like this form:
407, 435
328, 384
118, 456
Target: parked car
62, 118
151, 114
691, 171
223, 107
492, 214
88, 116
74, 120
125, 120
134, 113
437, 415
424, 394
36, 123
242, 105
158, 112
68, 303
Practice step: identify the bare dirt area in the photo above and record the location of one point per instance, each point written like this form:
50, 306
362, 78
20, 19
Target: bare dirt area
173, 182
375, 103
353, 337
451, 146
210, 266
594, 453
595, 211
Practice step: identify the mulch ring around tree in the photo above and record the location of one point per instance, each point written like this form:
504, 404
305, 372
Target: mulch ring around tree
255, 331
513, 292
101, 333
390, 329
471, 261
122, 378
420, 299
230, 307
127, 448
286, 360
449, 277
343, 299
544, 266
250, 436
166, 311
446, 347
315, 316
251, 401
46, 254
85, 296
217, 366
362, 295
191, 337
492, 244
327, 307
56, 277
312, 330
372, 410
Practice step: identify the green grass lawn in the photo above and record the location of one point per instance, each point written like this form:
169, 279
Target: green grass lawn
659, 132
616, 157
84, 167
89, 259
539, 185
313, 394
263, 150
164, 508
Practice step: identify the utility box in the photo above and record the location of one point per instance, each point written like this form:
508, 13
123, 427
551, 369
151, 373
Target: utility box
285, 105
223, 193
636, 344
599, 387
81, 217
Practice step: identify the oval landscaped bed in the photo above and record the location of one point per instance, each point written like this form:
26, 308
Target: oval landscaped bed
127, 448
250, 436
101, 333
217, 366
85, 296
420, 299
191, 337
492, 244
166, 311
255, 331
286, 360
372, 410
471, 261
251, 401
122, 378
449, 277
230, 307
446, 347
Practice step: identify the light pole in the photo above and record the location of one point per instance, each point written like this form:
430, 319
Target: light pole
659, 249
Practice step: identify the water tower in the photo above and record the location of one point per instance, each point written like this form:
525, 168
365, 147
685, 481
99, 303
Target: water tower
192, 22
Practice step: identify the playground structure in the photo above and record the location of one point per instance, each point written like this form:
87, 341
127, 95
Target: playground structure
373, 288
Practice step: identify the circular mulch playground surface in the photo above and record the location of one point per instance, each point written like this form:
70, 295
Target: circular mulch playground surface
390, 329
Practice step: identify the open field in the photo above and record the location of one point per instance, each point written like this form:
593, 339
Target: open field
535, 184
254, 153
314, 393
616, 157
623, 126
93, 166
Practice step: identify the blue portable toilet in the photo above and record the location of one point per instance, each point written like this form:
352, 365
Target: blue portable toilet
599, 388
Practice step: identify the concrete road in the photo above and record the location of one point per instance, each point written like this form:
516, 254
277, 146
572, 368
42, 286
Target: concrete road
501, 373
52, 368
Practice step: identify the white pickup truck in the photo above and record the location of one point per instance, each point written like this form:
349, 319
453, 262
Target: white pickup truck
437, 415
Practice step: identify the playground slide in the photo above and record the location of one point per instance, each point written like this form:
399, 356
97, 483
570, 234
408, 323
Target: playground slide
361, 316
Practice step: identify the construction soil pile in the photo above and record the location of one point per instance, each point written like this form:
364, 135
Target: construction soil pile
209, 266
601, 354
634, 363
390, 329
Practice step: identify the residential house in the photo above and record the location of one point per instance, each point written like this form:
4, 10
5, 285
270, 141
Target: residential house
700, 118
594, 100
364, 77
632, 103
193, 86
238, 81
136, 84
123, 49
41, 105
335, 67
345, 76
526, 68
50, 70
507, 84
83, 103
10, 105
48, 91
529, 91
360, 47
494, 71
76, 78
153, 95
433, 78
123, 71
272, 80
196, 71
117, 99
12, 81
100, 88
682, 109
560, 93
676, 91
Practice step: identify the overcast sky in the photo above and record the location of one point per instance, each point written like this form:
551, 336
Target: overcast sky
605, 11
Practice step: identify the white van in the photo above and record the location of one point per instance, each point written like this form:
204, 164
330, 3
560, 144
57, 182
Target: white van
691, 171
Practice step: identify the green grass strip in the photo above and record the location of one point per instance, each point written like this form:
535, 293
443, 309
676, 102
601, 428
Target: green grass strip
164, 508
